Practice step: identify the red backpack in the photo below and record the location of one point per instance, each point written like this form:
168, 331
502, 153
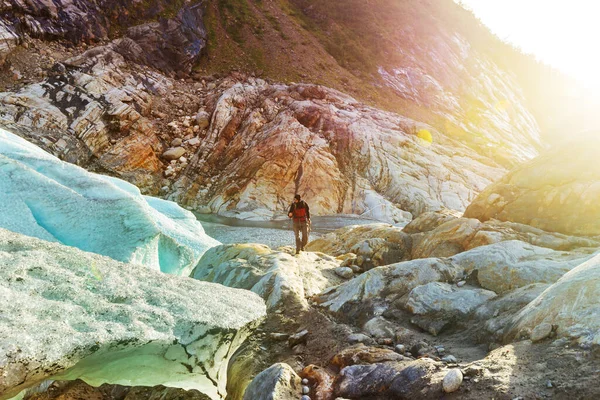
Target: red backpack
300, 212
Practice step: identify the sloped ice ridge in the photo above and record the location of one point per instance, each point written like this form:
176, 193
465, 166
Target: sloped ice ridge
68, 314
44, 197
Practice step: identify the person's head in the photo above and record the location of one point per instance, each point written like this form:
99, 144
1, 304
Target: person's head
297, 198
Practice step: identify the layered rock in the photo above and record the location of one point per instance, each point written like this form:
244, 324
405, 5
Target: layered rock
169, 44
437, 304
570, 305
108, 322
282, 279
556, 192
56, 201
267, 142
508, 265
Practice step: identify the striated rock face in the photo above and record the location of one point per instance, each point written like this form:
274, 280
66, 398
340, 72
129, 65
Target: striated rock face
571, 304
278, 277
170, 44
108, 322
556, 192
267, 142
56, 201
92, 113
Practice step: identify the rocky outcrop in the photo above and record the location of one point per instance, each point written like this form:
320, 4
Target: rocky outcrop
570, 305
437, 304
109, 322
508, 265
56, 201
556, 192
169, 44
92, 111
500, 267
280, 278
436, 234
267, 142
389, 282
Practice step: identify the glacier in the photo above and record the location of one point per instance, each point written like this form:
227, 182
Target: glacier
47, 198
67, 314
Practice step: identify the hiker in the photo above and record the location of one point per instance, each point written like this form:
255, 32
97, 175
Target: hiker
300, 213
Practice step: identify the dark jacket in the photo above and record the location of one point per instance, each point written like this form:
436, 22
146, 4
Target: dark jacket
300, 204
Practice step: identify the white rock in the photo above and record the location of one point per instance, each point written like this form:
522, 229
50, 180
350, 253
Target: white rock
279, 277
541, 332
572, 304
344, 272
452, 380
276, 382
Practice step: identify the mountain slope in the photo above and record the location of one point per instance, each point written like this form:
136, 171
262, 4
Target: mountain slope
413, 57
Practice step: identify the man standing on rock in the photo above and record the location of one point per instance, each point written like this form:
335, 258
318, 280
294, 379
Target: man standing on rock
300, 213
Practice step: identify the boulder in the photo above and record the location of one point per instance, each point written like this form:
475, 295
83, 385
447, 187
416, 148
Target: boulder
556, 192
392, 380
173, 153
494, 316
279, 277
56, 201
571, 304
109, 322
389, 282
202, 120
361, 354
437, 304
508, 265
78, 389
380, 328
277, 382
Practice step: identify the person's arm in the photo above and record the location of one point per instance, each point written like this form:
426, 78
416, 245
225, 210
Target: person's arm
307, 211
291, 211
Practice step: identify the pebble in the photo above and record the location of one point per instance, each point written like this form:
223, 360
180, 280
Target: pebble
279, 336
461, 283
400, 348
176, 142
344, 272
452, 381
541, 332
549, 384
305, 390
358, 338
305, 381
298, 338
385, 341
450, 359
305, 398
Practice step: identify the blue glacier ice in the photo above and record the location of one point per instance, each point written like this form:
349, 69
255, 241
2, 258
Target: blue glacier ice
44, 197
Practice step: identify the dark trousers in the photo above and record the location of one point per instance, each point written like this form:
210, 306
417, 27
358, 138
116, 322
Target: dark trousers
301, 226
